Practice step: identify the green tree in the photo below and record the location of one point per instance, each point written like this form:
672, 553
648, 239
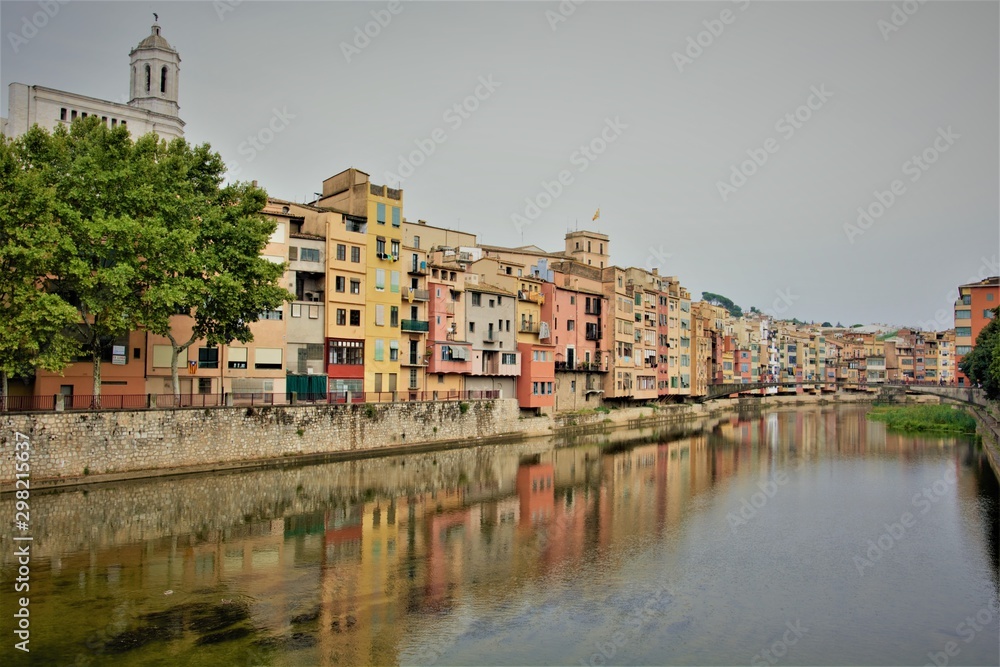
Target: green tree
208, 263
982, 364
725, 302
146, 232
34, 332
826, 324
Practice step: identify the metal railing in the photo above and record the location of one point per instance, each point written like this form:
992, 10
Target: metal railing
119, 402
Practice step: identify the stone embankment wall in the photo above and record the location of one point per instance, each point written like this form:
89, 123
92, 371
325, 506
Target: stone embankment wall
105, 446
69, 445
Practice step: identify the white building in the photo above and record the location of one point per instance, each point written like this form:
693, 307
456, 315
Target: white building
152, 105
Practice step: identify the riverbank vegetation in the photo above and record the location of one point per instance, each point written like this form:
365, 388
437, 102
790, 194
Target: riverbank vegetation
924, 418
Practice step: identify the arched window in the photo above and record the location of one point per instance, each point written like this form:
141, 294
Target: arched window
163, 80
147, 78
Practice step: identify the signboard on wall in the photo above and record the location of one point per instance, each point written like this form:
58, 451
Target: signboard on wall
118, 355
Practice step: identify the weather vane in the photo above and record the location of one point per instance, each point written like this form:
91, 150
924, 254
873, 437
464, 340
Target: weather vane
156, 17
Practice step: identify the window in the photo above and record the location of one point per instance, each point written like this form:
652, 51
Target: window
341, 252
963, 314
963, 349
309, 254
988, 314
204, 385
380, 280
339, 283
355, 286
237, 357
572, 300
472, 327
148, 75
271, 315
393, 316
341, 317
394, 247
313, 312
380, 246
477, 299
163, 80
380, 213
394, 281
293, 253
355, 318
355, 254
416, 242
508, 358
379, 349
989, 296
162, 356
296, 310
570, 325
395, 216
492, 303
963, 331
346, 353
379, 315
267, 358
393, 350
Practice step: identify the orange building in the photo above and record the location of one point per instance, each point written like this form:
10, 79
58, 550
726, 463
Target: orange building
973, 310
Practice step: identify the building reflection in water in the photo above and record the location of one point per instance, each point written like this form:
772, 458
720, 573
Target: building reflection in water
352, 575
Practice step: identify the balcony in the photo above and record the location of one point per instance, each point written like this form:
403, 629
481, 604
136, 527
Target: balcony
491, 336
414, 361
580, 367
449, 308
411, 294
594, 334
419, 326
418, 269
528, 327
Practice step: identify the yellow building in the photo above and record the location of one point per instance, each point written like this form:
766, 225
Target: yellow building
380, 210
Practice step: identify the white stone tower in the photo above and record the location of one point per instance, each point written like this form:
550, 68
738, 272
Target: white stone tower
154, 76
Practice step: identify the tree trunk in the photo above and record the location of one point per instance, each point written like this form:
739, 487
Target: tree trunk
96, 352
175, 380
3, 391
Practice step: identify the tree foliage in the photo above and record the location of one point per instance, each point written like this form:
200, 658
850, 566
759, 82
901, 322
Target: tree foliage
725, 302
129, 233
34, 330
982, 364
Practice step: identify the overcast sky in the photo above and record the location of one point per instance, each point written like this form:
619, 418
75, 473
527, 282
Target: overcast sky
834, 100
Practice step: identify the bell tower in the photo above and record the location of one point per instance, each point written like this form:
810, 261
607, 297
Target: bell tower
155, 67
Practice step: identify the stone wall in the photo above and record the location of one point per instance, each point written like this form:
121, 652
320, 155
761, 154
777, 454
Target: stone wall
99, 443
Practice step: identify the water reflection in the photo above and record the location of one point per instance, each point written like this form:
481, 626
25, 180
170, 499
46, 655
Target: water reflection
519, 554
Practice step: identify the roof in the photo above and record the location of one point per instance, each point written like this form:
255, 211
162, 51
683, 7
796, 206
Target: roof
487, 287
155, 40
992, 281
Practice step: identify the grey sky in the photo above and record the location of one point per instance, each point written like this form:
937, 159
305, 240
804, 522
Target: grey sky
778, 238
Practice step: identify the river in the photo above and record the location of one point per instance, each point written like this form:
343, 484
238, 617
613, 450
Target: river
802, 536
